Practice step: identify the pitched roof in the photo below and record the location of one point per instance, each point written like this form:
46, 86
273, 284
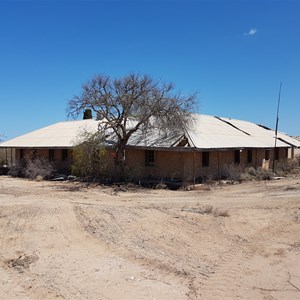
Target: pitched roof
206, 132
60, 135
217, 132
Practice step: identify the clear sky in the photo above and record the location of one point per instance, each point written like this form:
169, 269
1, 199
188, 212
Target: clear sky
233, 53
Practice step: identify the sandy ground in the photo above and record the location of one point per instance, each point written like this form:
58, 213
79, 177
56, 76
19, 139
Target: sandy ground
67, 241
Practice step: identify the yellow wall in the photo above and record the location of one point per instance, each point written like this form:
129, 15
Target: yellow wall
44, 153
169, 164
186, 165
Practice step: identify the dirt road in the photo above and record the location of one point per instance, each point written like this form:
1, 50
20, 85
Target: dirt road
68, 241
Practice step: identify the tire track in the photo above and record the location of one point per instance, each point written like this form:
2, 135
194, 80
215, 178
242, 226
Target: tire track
230, 277
225, 280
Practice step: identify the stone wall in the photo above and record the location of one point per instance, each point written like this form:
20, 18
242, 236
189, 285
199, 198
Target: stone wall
189, 165
183, 164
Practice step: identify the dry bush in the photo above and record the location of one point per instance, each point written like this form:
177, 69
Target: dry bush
284, 167
39, 167
207, 209
220, 213
256, 174
231, 172
262, 174
249, 174
18, 169
32, 169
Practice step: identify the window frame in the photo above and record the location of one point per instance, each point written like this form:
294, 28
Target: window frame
205, 159
149, 158
64, 154
249, 156
237, 156
51, 154
267, 154
22, 153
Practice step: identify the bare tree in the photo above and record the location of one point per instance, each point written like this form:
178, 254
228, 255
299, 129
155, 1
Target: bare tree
131, 103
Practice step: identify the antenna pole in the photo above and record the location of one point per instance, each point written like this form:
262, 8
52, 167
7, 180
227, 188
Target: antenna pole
276, 127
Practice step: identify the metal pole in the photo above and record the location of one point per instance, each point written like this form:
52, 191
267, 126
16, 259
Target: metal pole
219, 173
276, 127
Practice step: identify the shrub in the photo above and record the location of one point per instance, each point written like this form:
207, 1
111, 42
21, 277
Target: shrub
39, 167
32, 169
262, 174
89, 157
18, 169
249, 174
256, 174
286, 166
231, 172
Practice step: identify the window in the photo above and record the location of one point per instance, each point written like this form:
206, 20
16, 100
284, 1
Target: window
21, 153
267, 154
205, 159
183, 143
149, 158
249, 156
64, 154
51, 154
237, 158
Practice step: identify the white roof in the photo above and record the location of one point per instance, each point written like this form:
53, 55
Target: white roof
59, 135
209, 132
206, 132
263, 134
214, 132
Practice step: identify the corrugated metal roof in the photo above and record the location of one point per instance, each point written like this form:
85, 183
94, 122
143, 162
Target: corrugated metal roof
211, 132
206, 132
263, 133
61, 135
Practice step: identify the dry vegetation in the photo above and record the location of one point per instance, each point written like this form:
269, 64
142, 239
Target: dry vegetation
67, 240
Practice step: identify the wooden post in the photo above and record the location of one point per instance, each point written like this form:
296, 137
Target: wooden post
194, 179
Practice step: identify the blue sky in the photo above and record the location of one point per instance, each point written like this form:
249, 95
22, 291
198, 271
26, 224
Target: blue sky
233, 53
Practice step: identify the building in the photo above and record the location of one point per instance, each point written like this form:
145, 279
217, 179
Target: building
201, 151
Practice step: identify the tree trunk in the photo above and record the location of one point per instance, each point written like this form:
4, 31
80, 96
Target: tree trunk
119, 170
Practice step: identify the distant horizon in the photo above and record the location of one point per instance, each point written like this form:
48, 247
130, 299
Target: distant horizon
233, 53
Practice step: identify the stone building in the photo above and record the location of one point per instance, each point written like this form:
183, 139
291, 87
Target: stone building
201, 151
